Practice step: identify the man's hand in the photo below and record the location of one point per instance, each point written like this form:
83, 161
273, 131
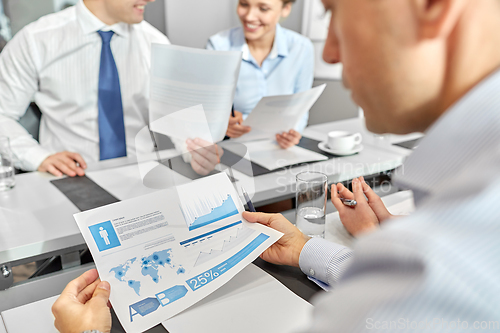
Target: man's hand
235, 129
205, 155
286, 251
64, 163
288, 139
83, 305
375, 202
360, 218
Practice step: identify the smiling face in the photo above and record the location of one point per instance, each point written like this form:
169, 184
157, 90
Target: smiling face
127, 11
393, 74
259, 17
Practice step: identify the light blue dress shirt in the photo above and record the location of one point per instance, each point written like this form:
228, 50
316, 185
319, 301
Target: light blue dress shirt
288, 69
438, 269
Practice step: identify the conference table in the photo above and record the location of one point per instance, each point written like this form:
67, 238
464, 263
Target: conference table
36, 218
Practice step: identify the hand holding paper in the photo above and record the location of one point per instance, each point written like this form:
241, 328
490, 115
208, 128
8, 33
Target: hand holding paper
278, 114
83, 305
288, 139
286, 251
235, 128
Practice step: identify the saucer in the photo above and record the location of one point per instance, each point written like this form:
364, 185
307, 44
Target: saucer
324, 147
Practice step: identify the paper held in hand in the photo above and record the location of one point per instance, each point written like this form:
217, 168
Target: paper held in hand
277, 114
165, 251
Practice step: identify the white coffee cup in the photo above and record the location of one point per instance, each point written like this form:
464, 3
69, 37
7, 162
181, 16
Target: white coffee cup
343, 140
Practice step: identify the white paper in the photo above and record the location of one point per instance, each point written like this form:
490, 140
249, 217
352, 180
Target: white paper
186, 124
277, 114
33, 317
182, 78
165, 251
271, 156
253, 301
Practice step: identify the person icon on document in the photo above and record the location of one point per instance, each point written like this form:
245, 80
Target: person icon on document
104, 235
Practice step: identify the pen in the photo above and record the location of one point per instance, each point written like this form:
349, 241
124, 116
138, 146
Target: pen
247, 199
232, 111
349, 202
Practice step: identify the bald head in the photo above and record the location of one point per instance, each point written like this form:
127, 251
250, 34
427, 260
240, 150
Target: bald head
407, 61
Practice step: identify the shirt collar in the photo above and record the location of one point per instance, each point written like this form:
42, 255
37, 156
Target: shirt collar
90, 23
280, 46
468, 130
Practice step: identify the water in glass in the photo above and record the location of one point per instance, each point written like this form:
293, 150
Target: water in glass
311, 221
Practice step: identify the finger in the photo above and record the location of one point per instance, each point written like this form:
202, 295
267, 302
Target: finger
206, 153
236, 130
370, 194
199, 169
80, 283
86, 293
232, 134
203, 143
207, 161
344, 192
101, 294
69, 162
233, 121
243, 129
78, 158
239, 117
53, 170
64, 168
336, 198
68, 159
262, 218
357, 190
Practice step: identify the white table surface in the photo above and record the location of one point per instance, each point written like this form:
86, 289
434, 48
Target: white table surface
2, 327
36, 218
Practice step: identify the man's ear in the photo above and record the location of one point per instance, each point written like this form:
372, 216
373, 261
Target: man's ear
287, 9
437, 18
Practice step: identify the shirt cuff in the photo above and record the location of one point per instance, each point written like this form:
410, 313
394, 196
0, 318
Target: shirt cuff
324, 260
32, 158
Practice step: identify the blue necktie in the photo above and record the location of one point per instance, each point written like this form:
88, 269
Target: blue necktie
112, 142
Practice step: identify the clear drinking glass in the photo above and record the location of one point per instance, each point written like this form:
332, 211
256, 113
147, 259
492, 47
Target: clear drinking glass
7, 180
310, 198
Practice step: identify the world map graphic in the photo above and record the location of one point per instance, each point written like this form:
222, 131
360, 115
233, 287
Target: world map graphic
147, 266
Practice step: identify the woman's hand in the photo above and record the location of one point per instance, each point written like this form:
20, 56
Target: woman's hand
288, 139
235, 129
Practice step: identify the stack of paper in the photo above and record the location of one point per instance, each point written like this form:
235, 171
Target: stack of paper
270, 155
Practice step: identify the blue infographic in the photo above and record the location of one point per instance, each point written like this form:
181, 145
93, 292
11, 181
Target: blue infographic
201, 212
208, 276
133, 271
104, 236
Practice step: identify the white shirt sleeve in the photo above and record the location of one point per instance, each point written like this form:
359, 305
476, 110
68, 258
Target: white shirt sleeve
323, 260
18, 84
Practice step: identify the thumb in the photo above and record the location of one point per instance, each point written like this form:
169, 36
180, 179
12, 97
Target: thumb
101, 294
261, 218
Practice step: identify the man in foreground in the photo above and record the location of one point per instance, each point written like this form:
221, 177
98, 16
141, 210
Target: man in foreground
412, 65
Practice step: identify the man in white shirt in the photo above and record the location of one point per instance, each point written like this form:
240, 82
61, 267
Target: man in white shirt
413, 65
57, 62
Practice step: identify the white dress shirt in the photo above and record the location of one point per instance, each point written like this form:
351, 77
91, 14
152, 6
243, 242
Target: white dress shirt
438, 269
55, 61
